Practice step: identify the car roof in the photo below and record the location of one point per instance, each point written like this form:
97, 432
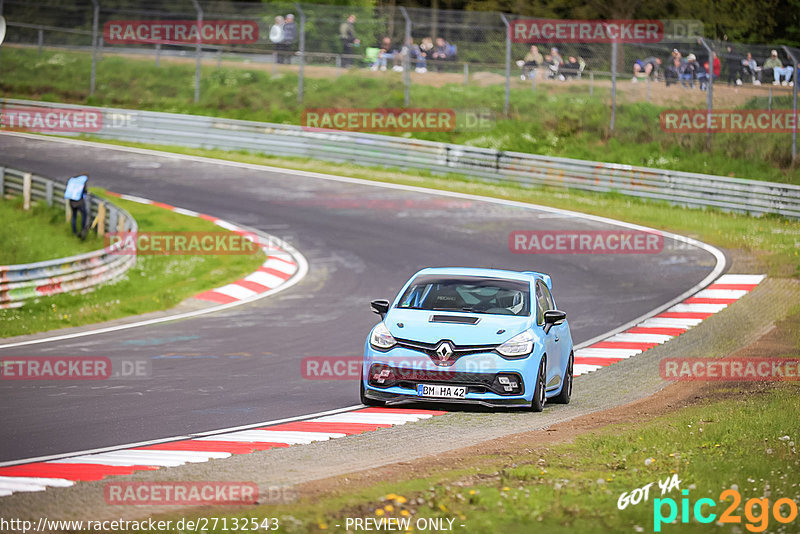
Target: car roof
476, 271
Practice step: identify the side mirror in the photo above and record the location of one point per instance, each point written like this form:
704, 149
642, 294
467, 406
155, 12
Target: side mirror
553, 318
380, 306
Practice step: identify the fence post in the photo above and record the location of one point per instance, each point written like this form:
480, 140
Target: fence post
2, 182
26, 191
709, 91
40, 42
198, 50
158, 54
95, 22
591, 84
794, 101
466, 73
48, 192
406, 58
613, 86
112, 219
508, 62
101, 219
302, 51
3, 24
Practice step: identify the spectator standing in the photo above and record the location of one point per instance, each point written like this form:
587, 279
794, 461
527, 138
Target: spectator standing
289, 37
733, 66
76, 194
276, 36
347, 34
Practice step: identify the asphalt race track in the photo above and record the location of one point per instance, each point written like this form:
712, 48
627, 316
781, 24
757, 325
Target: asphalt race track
243, 365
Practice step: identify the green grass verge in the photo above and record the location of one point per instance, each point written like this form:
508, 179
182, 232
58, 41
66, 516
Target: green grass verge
774, 241
575, 487
155, 283
558, 121
38, 234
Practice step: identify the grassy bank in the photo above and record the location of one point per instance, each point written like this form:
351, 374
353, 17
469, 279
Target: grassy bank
559, 120
38, 234
773, 242
576, 487
155, 283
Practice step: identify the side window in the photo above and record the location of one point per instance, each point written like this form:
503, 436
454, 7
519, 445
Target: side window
542, 303
551, 304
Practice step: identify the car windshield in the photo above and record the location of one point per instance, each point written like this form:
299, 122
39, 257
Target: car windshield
469, 294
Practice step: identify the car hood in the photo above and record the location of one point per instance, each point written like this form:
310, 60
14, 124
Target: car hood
417, 326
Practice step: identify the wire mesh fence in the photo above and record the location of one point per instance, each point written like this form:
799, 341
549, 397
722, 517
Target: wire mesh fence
427, 46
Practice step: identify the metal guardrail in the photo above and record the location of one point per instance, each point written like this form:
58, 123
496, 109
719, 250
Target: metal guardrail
19, 283
680, 188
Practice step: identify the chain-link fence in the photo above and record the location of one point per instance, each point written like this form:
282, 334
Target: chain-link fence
435, 47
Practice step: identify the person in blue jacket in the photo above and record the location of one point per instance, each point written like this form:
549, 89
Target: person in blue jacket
76, 194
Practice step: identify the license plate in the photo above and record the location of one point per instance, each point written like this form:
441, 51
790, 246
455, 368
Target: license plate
443, 392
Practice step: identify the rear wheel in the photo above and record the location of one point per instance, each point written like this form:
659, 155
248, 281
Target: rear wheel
566, 389
537, 404
366, 400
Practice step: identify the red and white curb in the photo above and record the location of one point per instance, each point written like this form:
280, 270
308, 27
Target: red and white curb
62, 472
279, 267
666, 325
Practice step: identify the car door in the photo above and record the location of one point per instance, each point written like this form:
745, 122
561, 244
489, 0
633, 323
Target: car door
544, 302
560, 336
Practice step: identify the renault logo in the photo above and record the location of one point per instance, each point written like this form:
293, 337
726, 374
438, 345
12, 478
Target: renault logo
444, 351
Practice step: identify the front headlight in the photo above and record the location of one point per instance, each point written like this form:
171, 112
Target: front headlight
518, 346
381, 338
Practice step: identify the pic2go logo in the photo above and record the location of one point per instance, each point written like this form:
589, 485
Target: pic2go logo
784, 511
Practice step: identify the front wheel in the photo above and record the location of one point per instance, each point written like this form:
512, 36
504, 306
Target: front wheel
566, 389
537, 404
366, 400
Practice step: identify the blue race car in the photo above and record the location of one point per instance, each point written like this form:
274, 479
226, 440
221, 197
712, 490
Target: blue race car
465, 335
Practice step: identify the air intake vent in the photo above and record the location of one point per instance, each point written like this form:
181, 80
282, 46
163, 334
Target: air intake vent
458, 319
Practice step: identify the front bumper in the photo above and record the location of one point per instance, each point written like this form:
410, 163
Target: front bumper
478, 373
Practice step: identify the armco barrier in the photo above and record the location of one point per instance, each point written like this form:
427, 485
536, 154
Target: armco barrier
681, 188
21, 282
